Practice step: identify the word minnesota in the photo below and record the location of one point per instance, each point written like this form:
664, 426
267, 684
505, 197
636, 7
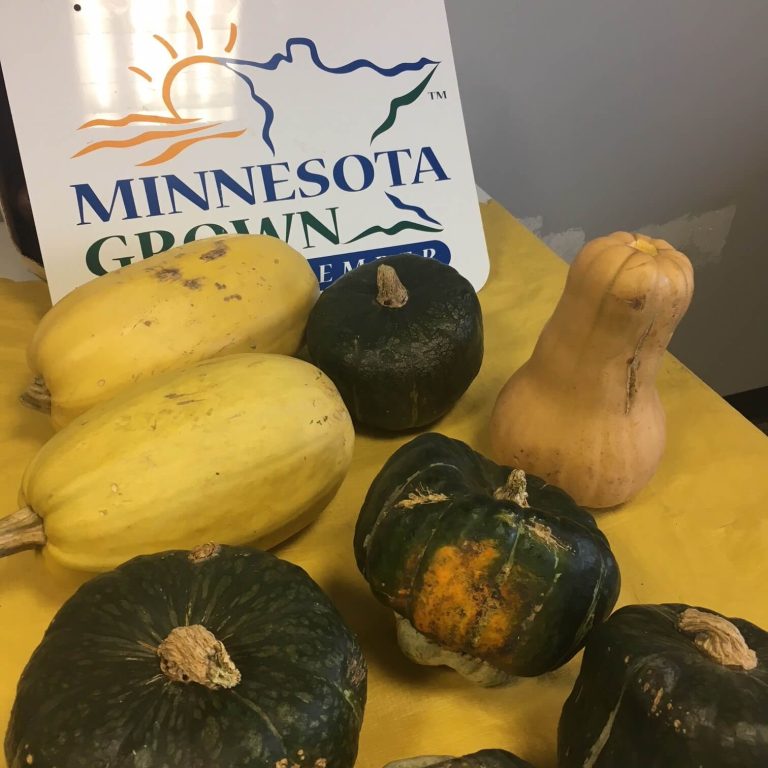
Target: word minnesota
255, 185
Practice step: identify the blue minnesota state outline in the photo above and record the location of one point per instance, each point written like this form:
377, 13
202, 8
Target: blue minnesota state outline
395, 105
182, 132
179, 133
287, 57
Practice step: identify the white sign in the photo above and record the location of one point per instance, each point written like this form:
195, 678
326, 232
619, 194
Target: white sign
335, 126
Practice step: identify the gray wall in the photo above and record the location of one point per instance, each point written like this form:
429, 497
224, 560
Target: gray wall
587, 116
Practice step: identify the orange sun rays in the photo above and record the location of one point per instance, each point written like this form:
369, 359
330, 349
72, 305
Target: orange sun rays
182, 135
180, 146
192, 21
232, 37
167, 45
142, 138
141, 73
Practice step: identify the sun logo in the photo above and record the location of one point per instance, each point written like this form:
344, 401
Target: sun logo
181, 138
176, 132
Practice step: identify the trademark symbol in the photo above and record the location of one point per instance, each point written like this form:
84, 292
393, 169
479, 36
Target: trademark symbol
437, 95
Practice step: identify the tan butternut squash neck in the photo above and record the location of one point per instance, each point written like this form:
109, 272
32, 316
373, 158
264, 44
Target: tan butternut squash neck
589, 341
21, 530
623, 300
613, 384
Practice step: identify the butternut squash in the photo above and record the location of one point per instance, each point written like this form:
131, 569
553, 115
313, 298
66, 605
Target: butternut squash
241, 449
216, 296
584, 412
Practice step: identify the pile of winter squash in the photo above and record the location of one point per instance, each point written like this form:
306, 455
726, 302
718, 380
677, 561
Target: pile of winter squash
207, 402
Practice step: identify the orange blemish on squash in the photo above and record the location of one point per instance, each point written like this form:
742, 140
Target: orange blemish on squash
401, 600
458, 603
495, 627
510, 614
657, 701
402, 597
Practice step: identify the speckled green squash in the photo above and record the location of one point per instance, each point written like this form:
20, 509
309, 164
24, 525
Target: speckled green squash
508, 584
94, 695
650, 694
485, 758
401, 352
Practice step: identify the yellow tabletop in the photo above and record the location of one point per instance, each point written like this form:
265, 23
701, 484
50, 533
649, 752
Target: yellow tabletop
697, 534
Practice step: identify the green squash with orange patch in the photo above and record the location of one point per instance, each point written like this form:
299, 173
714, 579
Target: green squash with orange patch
490, 571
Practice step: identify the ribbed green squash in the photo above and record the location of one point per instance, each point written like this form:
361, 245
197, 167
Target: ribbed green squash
669, 686
126, 675
490, 572
401, 338
485, 758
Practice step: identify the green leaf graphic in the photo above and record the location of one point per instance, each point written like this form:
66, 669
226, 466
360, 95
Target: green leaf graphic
394, 229
402, 101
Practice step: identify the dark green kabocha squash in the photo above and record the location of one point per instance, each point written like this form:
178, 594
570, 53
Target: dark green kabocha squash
485, 758
669, 686
222, 657
402, 339
489, 570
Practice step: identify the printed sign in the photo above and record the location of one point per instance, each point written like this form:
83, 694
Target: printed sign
335, 126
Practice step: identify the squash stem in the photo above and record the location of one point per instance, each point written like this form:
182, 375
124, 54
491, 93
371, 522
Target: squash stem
204, 552
515, 489
392, 293
717, 638
192, 654
37, 396
645, 245
21, 530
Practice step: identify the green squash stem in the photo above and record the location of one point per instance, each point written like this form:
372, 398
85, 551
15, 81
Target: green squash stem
392, 293
515, 489
192, 654
21, 530
37, 396
204, 552
717, 638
